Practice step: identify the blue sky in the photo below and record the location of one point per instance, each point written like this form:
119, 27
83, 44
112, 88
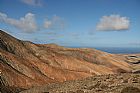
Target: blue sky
82, 23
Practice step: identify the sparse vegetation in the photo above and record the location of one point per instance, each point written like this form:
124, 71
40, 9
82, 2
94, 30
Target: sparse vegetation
131, 90
113, 83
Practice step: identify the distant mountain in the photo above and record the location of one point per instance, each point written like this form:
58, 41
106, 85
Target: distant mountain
24, 64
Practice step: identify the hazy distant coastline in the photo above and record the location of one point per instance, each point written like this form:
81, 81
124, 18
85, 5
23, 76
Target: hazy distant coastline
116, 50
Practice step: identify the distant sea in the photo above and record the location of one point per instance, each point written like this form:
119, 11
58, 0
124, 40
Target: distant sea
116, 50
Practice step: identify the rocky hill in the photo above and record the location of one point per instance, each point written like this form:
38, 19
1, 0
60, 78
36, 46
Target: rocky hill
24, 64
113, 83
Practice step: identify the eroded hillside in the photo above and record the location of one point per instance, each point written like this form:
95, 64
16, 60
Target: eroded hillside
115, 83
24, 64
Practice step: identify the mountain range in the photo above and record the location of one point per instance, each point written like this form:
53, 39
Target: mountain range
24, 64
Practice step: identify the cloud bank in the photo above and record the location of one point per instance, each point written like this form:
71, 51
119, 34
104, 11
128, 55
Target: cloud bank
26, 23
113, 23
55, 23
33, 2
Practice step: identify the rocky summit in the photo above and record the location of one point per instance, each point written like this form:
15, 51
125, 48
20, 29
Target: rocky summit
24, 65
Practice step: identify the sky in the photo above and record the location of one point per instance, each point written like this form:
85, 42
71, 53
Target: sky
73, 23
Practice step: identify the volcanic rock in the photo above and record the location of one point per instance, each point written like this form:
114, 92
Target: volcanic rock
24, 64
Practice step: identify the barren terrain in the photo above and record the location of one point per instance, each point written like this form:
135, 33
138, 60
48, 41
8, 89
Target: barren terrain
24, 65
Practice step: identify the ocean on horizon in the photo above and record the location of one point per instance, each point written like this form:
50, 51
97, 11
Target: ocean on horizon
119, 50
115, 50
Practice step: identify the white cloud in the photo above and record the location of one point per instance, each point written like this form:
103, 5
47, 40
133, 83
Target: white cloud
54, 23
113, 22
26, 24
33, 2
47, 24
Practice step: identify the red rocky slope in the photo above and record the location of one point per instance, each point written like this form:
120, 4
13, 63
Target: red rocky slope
24, 64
